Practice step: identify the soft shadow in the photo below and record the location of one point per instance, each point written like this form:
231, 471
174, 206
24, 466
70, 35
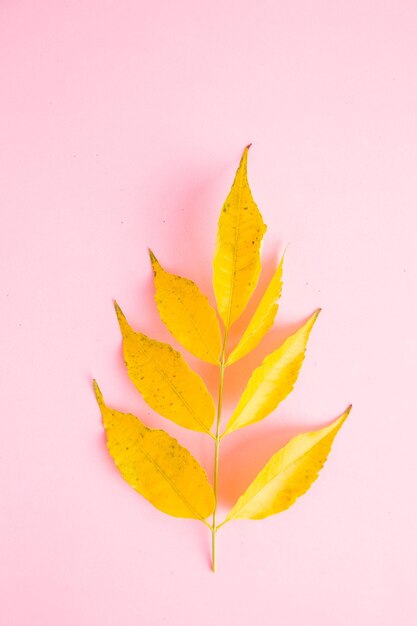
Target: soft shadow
192, 213
202, 538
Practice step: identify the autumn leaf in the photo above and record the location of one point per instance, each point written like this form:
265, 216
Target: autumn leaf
262, 319
273, 380
154, 463
187, 314
288, 474
237, 263
165, 381
156, 466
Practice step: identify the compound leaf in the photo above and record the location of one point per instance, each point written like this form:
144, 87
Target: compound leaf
273, 380
187, 314
288, 474
165, 381
262, 319
237, 263
156, 466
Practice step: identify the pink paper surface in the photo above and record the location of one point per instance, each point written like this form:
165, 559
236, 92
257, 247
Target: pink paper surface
121, 126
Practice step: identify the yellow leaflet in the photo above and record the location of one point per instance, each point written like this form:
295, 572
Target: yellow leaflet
187, 313
273, 380
237, 262
165, 381
262, 319
156, 466
288, 474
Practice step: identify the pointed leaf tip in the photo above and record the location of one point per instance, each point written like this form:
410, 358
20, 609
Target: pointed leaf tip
154, 260
244, 157
316, 314
123, 323
98, 394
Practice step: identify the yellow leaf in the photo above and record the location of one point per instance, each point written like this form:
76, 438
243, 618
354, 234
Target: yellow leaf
273, 380
165, 381
237, 263
288, 474
187, 313
262, 319
156, 466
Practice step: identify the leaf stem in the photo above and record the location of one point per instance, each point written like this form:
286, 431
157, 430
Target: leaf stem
216, 457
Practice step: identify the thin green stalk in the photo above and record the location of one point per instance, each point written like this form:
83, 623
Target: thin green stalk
216, 453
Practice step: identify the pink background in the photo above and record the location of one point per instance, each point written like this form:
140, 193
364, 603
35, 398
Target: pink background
121, 125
